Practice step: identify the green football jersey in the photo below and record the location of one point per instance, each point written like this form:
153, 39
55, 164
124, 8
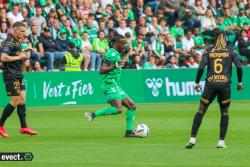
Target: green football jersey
111, 57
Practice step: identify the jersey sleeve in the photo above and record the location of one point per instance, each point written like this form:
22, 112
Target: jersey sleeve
8, 46
111, 58
236, 58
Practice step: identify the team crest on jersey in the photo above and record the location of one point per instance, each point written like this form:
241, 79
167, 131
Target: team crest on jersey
6, 49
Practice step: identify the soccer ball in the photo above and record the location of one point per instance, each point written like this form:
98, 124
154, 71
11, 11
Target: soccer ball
142, 130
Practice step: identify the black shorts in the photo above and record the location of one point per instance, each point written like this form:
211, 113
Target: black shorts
14, 86
223, 94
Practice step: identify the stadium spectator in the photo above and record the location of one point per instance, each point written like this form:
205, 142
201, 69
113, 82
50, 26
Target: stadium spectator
188, 42
38, 52
244, 44
158, 46
76, 39
26, 66
168, 45
198, 40
132, 26
154, 4
150, 64
164, 29
186, 15
208, 23
123, 29
109, 26
31, 8
178, 44
14, 15
172, 62
3, 16
198, 9
138, 9
154, 27
90, 29
26, 45
177, 28
62, 40
117, 16
39, 19
241, 18
234, 10
138, 47
197, 56
62, 8
51, 49
100, 46
170, 8
72, 60
191, 62
3, 31
102, 27
37, 67
136, 62
213, 6
86, 50
55, 28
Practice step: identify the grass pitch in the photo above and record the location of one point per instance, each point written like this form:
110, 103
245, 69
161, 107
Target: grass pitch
66, 139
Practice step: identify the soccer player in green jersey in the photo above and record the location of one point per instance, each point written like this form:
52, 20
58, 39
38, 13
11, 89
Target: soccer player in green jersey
113, 61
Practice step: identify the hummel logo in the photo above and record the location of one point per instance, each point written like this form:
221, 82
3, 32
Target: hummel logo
155, 84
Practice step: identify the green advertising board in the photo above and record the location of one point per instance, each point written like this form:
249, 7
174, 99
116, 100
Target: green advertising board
78, 88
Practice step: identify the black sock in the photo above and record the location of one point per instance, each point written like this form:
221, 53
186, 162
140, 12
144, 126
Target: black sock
21, 111
196, 124
129, 131
223, 126
6, 113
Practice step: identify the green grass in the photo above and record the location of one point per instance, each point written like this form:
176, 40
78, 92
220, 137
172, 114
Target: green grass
66, 139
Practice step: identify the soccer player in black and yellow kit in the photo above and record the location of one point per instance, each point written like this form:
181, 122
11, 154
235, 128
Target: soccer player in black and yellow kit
12, 58
219, 59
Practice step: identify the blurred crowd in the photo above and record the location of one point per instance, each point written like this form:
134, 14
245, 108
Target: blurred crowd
73, 35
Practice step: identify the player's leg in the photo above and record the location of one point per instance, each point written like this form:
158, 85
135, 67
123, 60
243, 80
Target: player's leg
130, 116
207, 97
224, 96
116, 108
21, 111
13, 90
113, 97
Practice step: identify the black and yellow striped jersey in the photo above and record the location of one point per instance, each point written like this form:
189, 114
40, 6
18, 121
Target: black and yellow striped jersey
219, 64
12, 70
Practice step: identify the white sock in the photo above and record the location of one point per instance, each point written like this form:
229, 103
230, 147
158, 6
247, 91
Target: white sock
221, 142
192, 140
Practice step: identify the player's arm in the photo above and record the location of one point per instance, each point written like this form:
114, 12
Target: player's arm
202, 66
106, 67
200, 71
237, 63
6, 58
7, 48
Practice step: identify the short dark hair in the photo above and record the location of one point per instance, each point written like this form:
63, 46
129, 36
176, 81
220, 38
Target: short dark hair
118, 38
18, 24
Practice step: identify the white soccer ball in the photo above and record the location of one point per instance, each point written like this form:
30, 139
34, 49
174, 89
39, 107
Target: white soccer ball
142, 130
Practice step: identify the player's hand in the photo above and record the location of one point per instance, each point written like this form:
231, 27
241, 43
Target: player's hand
23, 55
240, 86
197, 87
119, 64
